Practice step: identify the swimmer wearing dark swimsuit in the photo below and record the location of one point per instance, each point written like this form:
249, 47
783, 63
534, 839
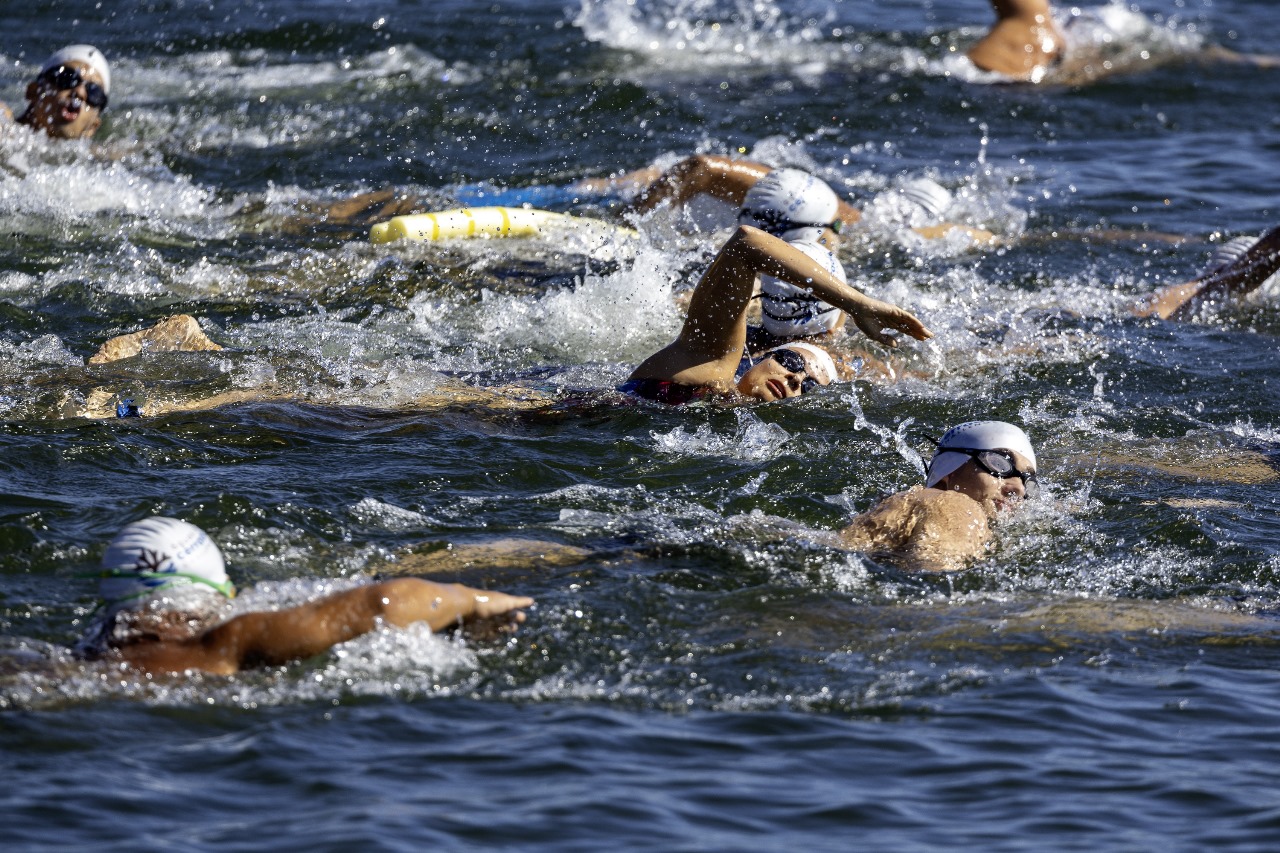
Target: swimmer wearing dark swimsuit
676, 393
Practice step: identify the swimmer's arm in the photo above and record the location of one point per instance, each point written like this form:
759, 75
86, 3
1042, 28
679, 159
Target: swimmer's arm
300, 632
5, 113
272, 638
1181, 301
774, 257
715, 331
367, 208
721, 178
1217, 53
977, 235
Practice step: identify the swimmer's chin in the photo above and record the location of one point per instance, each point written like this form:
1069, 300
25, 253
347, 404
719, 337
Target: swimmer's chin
1003, 506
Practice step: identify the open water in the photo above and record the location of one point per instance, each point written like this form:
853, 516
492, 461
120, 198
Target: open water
713, 674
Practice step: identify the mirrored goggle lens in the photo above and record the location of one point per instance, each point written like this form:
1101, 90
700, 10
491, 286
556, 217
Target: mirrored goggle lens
790, 359
69, 78
1002, 465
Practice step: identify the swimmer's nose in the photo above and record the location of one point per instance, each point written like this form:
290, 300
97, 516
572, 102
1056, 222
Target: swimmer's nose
794, 381
1013, 487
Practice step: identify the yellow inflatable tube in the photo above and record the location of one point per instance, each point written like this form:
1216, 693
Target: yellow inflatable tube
483, 222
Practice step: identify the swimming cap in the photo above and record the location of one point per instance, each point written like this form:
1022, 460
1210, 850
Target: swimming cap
929, 196
1226, 254
86, 53
790, 204
977, 435
789, 311
822, 366
157, 554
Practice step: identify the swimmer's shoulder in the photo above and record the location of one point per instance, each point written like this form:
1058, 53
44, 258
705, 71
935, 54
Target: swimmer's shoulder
924, 529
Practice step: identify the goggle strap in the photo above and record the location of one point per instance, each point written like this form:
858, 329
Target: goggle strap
781, 223
226, 588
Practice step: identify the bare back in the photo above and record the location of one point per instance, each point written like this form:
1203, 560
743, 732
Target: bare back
927, 529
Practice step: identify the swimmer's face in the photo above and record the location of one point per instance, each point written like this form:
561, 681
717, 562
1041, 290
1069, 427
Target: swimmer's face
65, 113
779, 375
994, 493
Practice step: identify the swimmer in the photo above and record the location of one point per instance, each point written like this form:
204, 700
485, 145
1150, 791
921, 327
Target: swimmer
1238, 267
1027, 45
802, 210
707, 359
68, 95
730, 180
981, 470
1023, 44
167, 591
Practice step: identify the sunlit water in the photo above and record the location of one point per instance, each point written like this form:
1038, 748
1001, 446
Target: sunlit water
716, 673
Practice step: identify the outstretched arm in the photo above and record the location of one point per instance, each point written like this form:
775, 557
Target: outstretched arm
702, 174
271, 638
722, 178
1246, 273
715, 331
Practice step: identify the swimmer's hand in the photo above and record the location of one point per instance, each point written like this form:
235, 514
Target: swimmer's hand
495, 614
878, 320
489, 605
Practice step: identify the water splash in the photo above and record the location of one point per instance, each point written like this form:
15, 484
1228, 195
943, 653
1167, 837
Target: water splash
689, 34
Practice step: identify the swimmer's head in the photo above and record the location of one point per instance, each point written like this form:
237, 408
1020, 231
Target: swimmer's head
791, 204
788, 371
1003, 462
788, 311
84, 54
819, 363
159, 555
68, 95
929, 198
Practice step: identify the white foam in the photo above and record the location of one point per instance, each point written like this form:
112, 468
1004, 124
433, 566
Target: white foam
753, 440
389, 516
692, 35
56, 186
621, 316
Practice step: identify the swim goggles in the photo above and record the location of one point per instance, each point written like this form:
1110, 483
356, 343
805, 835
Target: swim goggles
65, 77
775, 223
999, 464
795, 363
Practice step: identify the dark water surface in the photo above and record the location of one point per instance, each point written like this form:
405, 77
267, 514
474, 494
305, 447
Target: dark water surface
715, 674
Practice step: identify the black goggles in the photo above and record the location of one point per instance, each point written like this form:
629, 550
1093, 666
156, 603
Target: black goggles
775, 223
66, 77
794, 362
999, 464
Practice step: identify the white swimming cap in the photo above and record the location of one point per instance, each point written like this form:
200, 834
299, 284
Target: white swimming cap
977, 435
86, 53
157, 554
1226, 254
822, 366
789, 311
931, 197
790, 204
